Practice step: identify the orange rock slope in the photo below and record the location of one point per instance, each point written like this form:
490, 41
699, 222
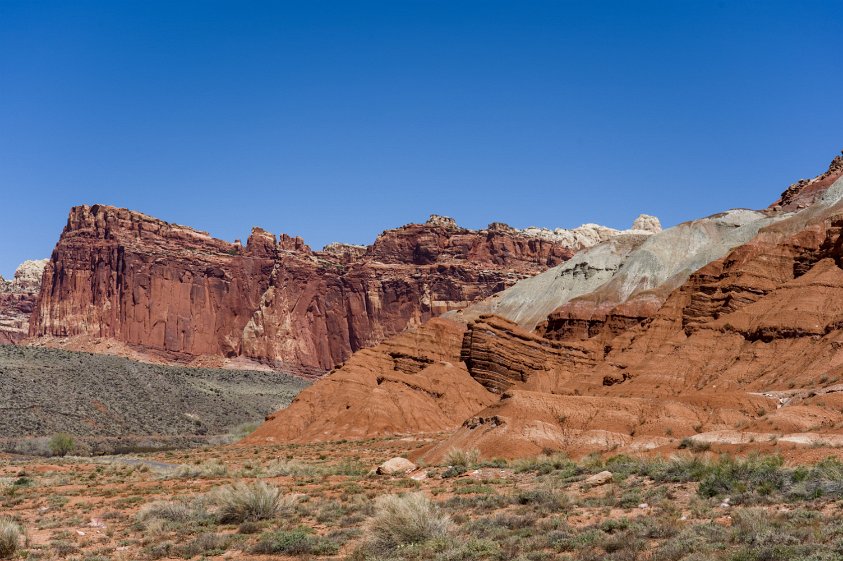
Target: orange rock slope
747, 348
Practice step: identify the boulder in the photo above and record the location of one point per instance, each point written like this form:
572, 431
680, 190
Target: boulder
599, 479
395, 466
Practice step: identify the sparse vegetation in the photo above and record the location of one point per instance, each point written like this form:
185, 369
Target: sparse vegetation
247, 502
317, 501
192, 510
462, 458
300, 541
11, 537
402, 520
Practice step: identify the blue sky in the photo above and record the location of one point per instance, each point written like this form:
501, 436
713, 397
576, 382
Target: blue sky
337, 120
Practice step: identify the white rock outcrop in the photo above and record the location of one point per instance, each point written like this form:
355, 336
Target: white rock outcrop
589, 235
28, 276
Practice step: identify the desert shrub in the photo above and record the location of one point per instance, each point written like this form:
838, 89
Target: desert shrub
756, 527
243, 502
11, 537
545, 500
205, 544
183, 511
453, 471
745, 480
406, 519
825, 479
300, 541
249, 528
558, 464
63, 548
210, 469
61, 444
680, 469
464, 458
347, 467
694, 445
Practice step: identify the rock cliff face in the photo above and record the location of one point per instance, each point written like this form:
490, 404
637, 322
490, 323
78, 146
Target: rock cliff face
725, 330
412, 383
17, 300
178, 293
745, 349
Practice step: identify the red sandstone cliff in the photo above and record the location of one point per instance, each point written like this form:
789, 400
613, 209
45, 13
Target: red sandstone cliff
179, 293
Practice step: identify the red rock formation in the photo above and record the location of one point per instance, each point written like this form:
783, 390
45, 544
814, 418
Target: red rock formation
412, 383
748, 347
805, 192
611, 310
500, 355
170, 289
179, 293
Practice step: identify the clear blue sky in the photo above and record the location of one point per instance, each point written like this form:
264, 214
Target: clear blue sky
336, 120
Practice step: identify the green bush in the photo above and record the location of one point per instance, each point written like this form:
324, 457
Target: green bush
61, 444
745, 480
300, 541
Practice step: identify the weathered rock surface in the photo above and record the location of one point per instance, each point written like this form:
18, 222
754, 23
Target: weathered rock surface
589, 235
806, 192
748, 343
17, 300
599, 478
411, 383
178, 293
395, 466
499, 354
732, 326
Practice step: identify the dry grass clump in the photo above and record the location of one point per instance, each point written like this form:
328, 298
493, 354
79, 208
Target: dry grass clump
462, 458
231, 504
401, 520
183, 511
11, 537
209, 469
242, 502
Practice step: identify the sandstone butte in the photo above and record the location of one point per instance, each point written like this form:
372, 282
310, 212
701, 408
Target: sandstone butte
123, 282
726, 329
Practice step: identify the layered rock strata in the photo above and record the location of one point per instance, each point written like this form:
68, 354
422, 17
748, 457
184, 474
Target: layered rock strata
177, 293
735, 336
